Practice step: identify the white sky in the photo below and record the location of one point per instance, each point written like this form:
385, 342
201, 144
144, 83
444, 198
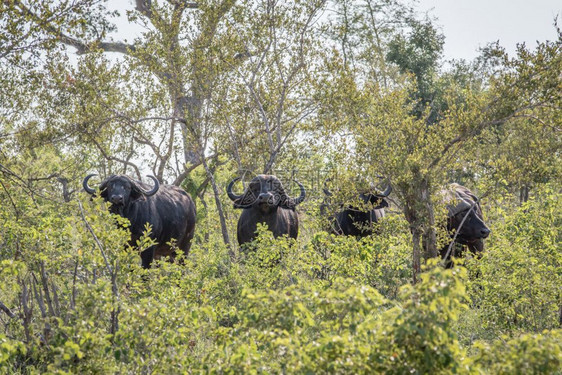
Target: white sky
466, 24
470, 24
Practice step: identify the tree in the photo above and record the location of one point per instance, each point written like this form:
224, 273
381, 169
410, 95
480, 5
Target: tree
419, 53
401, 134
165, 101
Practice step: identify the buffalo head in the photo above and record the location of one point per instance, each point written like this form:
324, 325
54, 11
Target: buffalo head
120, 191
376, 198
266, 193
357, 220
371, 196
465, 219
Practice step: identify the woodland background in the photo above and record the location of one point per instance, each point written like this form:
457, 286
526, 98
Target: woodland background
349, 90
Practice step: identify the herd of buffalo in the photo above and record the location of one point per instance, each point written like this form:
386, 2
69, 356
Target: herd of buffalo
170, 211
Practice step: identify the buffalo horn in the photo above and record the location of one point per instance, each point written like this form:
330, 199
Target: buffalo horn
387, 191
87, 188
231, 195
303, 194
154, 189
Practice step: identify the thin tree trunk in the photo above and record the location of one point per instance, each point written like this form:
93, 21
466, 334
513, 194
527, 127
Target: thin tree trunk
416, 254
224, 229
430, 237
523, 194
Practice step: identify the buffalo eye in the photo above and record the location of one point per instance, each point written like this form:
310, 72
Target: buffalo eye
461, 214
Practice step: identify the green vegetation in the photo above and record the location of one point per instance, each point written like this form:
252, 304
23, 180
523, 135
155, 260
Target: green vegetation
346, 90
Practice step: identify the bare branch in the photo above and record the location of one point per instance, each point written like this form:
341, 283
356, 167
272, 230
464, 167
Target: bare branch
113, 158
16, 210
39, 297
7, 310
96, 239
45, 283
457, 232
81, 46
27, 310
146, 9
73, 295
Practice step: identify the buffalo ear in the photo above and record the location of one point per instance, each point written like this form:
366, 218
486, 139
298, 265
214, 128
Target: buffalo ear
286, 202
136, 193
247, 199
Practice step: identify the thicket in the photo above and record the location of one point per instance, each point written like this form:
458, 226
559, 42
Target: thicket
322, 304
343, 93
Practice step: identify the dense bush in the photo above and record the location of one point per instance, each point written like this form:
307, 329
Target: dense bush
207, 91
346, 328
517, 282
321, 305
527, 354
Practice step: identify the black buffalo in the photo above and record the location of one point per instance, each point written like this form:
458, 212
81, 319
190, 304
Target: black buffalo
265, 201
354, 221
168, 209
461, 203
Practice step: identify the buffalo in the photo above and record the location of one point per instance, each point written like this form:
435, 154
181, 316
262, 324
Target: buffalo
354, 221
265, 201
463, 208
168, 209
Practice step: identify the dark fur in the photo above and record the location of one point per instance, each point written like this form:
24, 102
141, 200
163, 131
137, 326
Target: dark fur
170, 212
353, 221
474, 230
265, 201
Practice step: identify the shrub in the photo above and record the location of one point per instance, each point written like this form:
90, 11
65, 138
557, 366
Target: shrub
517, 287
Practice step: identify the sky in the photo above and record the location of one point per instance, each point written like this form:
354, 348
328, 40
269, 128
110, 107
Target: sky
471, 24
467, 24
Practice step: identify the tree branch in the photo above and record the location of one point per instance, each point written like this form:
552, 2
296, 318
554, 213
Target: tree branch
7, 310
81, 46
96, 239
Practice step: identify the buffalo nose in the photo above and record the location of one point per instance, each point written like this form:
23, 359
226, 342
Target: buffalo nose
263, 197
485, 232
117, 199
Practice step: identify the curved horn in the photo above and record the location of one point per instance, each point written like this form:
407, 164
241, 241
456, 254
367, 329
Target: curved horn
387, 191
85, 185
231, 195
152, 191
303, 194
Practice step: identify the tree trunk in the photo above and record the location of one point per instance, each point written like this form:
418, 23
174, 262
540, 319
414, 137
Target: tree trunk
418, 211
523, 194
190, 110
220, 210
410, 214
429, 235
416, 254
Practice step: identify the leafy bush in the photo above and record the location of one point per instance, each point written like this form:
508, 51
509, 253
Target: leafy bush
517, 287
527, 354
346, 328
324, 304
382, 261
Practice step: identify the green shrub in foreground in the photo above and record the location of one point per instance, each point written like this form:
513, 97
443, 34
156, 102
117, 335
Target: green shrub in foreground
347, 328
527, 354
518, 283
